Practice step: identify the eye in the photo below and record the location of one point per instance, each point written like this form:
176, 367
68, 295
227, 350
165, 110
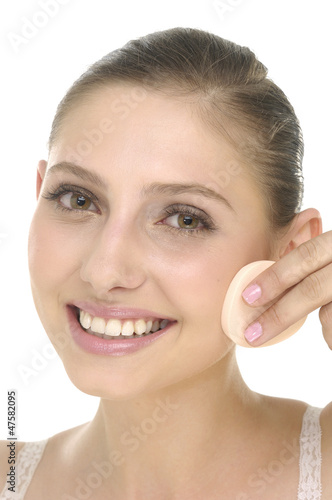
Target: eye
184, 221
187, 219
72, 199
77, 201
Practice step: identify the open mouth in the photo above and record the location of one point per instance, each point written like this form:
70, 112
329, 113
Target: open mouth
114, 328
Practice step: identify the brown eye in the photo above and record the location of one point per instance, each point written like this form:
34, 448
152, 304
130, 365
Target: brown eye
79, 202
183, 221
187, 221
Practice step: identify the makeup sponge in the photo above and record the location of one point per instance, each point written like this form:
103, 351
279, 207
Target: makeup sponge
237, 315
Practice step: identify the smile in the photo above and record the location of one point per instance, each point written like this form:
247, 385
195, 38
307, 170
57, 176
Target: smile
115, 328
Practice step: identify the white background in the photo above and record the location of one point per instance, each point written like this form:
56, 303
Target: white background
292, 38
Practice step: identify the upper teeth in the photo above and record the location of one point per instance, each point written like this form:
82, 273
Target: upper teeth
115, 327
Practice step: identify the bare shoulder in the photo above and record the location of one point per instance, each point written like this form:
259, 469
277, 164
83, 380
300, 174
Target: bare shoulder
63, 441
326, 425
326, 415
8, 454
60, 463
55, 453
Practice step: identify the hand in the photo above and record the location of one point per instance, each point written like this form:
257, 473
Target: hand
297, 284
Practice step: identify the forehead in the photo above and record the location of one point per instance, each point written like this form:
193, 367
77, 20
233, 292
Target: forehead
125, 111
125, 119
132, 131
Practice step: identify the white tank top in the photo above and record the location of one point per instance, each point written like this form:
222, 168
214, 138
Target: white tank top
310, 461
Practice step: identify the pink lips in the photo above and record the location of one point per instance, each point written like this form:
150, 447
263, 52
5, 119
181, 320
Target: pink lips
111, 347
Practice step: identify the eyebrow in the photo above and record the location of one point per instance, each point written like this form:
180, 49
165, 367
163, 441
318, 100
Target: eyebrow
82, 173
174, 189
156, 188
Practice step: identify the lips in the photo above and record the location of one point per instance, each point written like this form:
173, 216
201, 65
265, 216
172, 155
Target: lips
124, 328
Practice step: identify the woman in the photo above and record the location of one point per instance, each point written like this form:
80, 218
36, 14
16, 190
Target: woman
173, 163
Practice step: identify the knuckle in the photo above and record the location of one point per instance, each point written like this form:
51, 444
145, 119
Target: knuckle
325, 315
275, 317
275, 281
327, 333
326, 243
308, 252
312, 289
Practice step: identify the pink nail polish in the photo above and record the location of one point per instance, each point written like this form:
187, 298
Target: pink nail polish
253, 332
252, 293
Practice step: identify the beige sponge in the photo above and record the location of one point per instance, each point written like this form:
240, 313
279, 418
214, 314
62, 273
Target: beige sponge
237, 315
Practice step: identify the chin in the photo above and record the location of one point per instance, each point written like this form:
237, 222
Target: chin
111, 384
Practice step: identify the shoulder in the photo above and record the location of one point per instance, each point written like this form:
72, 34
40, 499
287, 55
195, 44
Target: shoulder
46, 455
326, 426
326, 415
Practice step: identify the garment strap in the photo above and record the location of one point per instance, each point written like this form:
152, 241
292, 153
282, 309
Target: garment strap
310, 487
27, 461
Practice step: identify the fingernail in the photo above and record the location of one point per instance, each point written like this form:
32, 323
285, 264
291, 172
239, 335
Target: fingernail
253, 332
252, 293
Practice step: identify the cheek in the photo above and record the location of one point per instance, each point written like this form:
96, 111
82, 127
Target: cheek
196, 278
53, 265
196, 289
53, 252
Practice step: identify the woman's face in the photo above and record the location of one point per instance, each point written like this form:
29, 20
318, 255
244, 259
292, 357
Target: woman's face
172, 219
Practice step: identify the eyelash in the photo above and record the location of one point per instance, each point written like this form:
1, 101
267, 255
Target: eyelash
202, 217
55, 194
180, 209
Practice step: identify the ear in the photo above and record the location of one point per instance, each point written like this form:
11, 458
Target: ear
41, 169
305, 226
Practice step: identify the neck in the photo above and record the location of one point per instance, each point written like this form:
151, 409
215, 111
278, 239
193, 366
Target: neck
165, 429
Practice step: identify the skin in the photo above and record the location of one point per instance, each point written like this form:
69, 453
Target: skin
126, 251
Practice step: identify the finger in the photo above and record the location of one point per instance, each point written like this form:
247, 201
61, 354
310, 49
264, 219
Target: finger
325, 316
309, 257
310, 294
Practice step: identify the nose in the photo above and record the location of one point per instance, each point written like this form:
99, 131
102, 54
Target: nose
114, 259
